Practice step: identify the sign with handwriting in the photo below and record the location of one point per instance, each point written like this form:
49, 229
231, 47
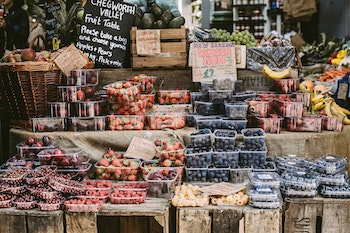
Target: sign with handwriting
105, 31
147, 42
213, 60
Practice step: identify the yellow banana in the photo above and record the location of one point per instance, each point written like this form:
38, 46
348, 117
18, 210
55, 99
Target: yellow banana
319, 106
341, 109
327, 107
335, 111
317, 98
346, 121
268, 72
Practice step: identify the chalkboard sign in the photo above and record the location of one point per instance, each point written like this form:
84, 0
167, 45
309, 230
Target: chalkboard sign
51, 22
105, 31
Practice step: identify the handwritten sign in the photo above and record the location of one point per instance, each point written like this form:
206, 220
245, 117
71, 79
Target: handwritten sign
241, 56
147, 42
213, 60
71, 58
105, 31
140, 148
51, 22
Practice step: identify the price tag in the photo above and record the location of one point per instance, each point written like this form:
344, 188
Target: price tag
213, 60
71, 58
147, 42
140, 148
342, 91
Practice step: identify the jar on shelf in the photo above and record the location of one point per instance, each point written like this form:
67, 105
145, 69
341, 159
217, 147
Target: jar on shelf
241, 15
255, 14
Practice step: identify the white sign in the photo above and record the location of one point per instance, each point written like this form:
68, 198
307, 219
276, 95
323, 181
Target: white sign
213, 60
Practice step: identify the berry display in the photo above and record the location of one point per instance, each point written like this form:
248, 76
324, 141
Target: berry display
218, 175
224, 139
198, 158
201, 138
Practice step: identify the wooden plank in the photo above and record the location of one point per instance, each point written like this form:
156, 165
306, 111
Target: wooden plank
106, 223
300, 218
193, 220
45, 221
154, 226
134, 225
262, 220
226, 220
81, 222
144, 62
169, 33
152, 207
336, 218
12, 221
165, 47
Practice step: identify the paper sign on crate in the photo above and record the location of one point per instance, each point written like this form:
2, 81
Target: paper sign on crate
71, 58
140, 148
213, 60
241, 56
147, 42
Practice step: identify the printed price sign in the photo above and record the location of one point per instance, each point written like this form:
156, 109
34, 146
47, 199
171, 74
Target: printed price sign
213, 60
105, 31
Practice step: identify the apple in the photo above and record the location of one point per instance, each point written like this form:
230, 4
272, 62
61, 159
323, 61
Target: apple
28, 54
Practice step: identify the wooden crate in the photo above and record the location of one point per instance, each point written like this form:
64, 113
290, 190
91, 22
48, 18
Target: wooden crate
173, 49
31, 221
321, 215
230, 219
149, 217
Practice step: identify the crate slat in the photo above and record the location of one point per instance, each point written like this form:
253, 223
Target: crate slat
300, 218
226, 220
12, 221
193, 220
133, 224
81, 222
165, 34
173, 49
45, 221
262, 220
325, 215
151, 62
338, 218
170, 47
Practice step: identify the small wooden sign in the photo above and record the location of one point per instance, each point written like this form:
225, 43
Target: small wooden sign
147, 42
71, 58
213, 60
140, 148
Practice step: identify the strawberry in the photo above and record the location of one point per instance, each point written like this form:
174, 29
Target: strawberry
116, 163
167, 163
106, 176
104, 162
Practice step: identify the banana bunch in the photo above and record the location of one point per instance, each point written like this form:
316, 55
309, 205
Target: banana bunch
276, 75
326, 104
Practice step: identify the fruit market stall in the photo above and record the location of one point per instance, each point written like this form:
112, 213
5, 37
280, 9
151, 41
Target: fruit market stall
149, 150
307, 144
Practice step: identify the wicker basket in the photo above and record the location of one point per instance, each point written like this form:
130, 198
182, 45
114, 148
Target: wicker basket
26, 87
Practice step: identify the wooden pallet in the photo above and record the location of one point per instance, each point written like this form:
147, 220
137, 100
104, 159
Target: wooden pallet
149, 217
321, 215
173, 49
31, 221
230, 219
